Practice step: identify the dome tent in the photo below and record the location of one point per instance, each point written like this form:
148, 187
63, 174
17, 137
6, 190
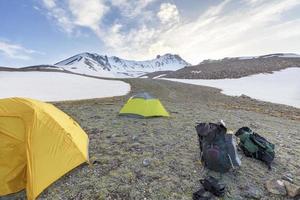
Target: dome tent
39, 144
144, 105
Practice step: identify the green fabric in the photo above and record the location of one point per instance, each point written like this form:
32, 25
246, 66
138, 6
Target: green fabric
247, 143
250, 146
144, 107
254, 146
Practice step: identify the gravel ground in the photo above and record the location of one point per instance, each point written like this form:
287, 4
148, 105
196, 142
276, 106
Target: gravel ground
158, 158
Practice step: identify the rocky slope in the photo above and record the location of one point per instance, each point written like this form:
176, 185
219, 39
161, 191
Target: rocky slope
237, 67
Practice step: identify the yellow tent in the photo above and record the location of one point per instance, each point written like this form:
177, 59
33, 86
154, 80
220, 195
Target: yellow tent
38, 144
144, 105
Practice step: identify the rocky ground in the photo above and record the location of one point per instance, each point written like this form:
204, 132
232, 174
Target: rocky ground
158, 158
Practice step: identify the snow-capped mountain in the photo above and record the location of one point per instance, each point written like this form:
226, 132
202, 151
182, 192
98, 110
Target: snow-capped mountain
115, 67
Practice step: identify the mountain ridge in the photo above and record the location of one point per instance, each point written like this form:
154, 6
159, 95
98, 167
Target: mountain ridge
279, 55
115, 67
236, 67
167, 66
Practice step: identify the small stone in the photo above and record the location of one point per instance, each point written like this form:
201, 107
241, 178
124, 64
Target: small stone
254, 125
134, 138
253, 193
146, 162
288, 177
276, 187
94, 160
292, 189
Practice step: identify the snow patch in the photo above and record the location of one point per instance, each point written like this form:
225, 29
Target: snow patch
196, 72
55, 68
56, 86
159, 76
281, 87
247, 57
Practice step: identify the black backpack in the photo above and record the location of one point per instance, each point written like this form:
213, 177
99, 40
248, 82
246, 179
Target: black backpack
210, 186
217, 148
256, 146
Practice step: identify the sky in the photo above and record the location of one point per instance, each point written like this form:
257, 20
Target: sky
46, 31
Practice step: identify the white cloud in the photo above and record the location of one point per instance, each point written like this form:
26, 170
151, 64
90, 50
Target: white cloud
59, 14
88, 13
168, 13
70, 14
220, 32
136, 40
133, 8
36, 8
15, 51
143, 30
215, 10
49, 3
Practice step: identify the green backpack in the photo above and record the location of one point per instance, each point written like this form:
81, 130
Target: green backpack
256, 146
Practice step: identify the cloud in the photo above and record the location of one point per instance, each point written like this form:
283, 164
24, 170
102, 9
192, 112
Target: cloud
168, 13
49, 3
87, 13
71, 14
59, 14
219, 32
140, 41
125, 43
133, 8
145, 28
15, 51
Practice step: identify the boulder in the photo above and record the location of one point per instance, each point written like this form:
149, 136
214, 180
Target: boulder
253, 193
292, 189
276, 187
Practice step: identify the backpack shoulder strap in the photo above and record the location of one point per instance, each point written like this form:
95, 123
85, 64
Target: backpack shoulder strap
257, 142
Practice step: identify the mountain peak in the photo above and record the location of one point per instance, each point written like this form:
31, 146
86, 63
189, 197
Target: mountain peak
169, 55
105, 66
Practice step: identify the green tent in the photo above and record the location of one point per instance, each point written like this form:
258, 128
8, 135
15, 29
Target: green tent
144, 105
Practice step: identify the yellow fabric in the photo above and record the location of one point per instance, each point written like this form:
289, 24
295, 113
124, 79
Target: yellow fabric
39, 144
144, 107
